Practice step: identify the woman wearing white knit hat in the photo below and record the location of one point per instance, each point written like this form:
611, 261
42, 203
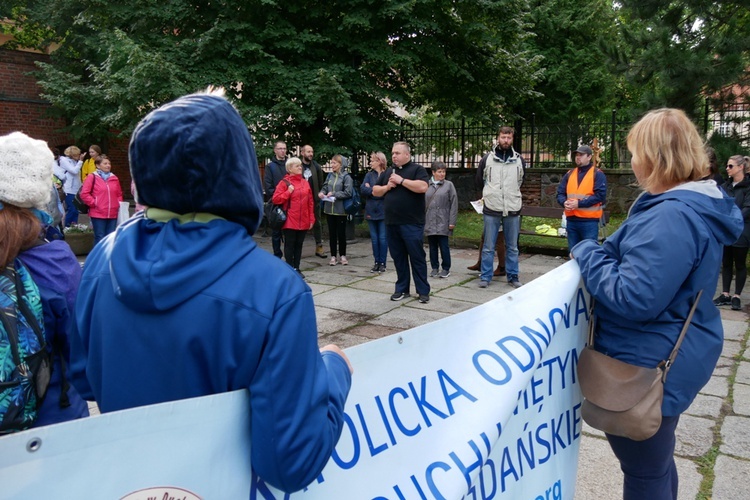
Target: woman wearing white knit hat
25, 186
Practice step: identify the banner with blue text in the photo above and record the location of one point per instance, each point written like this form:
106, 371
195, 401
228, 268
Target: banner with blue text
483, 404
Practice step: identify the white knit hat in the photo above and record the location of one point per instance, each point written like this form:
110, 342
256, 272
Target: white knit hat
25, 171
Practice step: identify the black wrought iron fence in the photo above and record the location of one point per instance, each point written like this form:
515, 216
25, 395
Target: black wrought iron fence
461, 144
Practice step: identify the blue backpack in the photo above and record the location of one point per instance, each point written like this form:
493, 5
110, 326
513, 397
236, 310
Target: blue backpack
353, 204
25, 364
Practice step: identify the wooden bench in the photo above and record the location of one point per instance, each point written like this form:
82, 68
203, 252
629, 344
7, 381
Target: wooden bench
556, 214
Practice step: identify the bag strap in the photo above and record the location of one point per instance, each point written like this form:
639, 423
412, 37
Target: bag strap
667, 363
437, 186
673, 354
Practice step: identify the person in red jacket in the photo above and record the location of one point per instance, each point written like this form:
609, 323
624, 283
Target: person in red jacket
101, 191
293, 193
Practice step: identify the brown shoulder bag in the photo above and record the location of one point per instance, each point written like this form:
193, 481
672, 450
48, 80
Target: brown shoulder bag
623, 399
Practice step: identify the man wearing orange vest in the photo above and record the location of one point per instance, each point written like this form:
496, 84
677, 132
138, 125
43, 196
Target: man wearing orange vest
582, 192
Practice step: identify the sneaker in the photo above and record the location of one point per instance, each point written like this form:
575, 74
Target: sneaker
484, 284
381, 269
434, 273
445, 273
736, 304
375, 268
722, 300
320, 252
344, 261
399, 295
515, 283
423, 299
333, 261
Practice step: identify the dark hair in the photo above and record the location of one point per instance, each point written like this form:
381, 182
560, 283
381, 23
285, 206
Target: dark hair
20, 229
713, 163
506, 130
100, 159
438, 165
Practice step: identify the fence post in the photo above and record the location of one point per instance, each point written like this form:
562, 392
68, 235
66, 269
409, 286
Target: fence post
705, 119
531, 153
463, 142
612, 144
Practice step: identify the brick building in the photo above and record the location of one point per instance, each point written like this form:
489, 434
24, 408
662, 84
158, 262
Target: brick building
23, 109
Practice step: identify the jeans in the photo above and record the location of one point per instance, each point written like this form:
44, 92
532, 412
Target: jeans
379, 240
581, 230
71, 212
650, 471
405, 241
441, 242
102, 227
337, 234
511, 227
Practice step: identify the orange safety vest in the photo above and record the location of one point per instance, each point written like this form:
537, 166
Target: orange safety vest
584, 190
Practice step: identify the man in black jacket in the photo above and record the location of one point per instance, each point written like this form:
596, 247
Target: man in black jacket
275, 171
316, 177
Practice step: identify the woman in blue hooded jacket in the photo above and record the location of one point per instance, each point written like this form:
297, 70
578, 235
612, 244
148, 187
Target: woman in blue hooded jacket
644, 288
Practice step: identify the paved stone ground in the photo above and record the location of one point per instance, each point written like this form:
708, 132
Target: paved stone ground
713, 437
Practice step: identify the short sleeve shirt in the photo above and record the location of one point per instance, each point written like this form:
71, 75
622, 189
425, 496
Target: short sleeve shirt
403, 206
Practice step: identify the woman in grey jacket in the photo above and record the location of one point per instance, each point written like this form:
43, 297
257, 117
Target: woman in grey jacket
337, 187
441, 204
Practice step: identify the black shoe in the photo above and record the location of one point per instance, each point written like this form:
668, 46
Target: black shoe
375, 268
381, 269
722, 300
423, 299
736, 304
300, 273
399, 296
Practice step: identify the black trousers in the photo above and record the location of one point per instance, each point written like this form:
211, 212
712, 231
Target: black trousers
293, 240
337, 234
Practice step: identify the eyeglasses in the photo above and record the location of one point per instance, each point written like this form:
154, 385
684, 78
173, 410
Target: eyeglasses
729, 165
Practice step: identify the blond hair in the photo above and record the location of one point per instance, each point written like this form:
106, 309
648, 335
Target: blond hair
744, 161
380, 156
666, 144
72, 152
292, 162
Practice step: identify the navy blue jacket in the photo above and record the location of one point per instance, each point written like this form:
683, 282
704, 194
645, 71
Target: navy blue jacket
177, 306
646, 276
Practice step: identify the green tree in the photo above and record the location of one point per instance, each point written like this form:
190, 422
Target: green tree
679, 52
577, 83
318, 72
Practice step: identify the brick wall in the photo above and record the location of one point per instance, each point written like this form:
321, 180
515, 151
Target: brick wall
23, 109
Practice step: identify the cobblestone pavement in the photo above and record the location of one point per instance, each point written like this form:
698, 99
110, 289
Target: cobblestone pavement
713, 436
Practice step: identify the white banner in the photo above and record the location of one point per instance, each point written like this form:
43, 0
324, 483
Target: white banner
483, 404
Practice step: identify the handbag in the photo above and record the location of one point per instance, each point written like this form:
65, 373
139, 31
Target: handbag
276, 214
78, 201
623, 399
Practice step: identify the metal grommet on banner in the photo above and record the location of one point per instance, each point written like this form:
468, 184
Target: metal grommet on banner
400, 339
34, 444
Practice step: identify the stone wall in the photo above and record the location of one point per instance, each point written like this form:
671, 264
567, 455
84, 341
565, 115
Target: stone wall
540, 187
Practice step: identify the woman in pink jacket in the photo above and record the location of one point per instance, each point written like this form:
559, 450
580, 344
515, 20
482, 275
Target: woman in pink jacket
101, 191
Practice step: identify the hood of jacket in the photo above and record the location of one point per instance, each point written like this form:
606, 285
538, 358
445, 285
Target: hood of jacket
195, 155
707, 201
157, 265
